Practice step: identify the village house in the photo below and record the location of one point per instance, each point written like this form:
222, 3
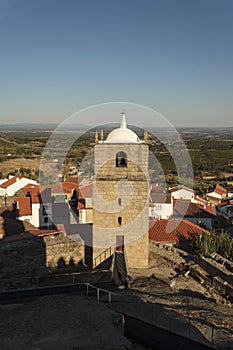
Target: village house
204, 216
182, 192
160, 205
48, 206
216, 196
13, 184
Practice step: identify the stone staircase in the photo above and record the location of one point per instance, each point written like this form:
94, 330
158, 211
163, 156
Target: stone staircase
120, 269
104, 259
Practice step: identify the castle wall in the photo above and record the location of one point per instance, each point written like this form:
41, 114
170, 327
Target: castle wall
32, 257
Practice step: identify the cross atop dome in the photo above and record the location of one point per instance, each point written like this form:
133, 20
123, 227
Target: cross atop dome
123, 120
123, 134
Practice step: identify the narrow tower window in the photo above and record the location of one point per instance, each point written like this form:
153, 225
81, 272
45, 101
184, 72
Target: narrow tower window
119, 201
119, 220
121, 160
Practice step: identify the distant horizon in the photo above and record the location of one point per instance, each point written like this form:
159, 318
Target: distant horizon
174, 56
107, 124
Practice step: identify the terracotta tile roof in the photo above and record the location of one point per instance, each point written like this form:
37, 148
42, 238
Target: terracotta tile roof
23, 206
86, 191
81, 204
41, 233
72, 179
69, 187
34, 191
173, 230
220, 190
209, 209
65, 187
37, 193
201, 200
184, 207
9, 182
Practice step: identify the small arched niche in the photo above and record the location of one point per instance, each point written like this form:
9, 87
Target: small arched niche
121, 160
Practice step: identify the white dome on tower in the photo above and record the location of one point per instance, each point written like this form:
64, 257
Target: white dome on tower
123, 134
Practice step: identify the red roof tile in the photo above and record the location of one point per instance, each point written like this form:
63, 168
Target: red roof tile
201, 200
23, 206
220, 190
72, 179
173, 230
86, 191
187, 208
38, 194
209, 209
60, 188
41, 233
33, 191
9, 182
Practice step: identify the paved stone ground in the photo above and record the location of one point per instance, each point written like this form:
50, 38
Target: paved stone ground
61, 323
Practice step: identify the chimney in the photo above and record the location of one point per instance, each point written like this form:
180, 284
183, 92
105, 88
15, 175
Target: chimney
145, 135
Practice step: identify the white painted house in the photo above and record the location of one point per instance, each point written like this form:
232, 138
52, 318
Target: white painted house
35, 206
11, 186
182, 192
160, 206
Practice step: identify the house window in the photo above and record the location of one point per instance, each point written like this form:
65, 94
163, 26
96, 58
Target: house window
119, 220
121, 160
46, 220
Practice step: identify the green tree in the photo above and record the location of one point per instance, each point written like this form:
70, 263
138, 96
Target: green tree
220, 243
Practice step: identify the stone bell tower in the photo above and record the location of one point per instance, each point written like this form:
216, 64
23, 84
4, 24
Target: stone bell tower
120, 195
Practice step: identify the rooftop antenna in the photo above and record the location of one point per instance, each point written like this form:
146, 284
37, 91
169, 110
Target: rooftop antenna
123, 120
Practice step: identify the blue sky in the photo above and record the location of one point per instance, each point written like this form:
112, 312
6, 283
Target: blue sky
175, 56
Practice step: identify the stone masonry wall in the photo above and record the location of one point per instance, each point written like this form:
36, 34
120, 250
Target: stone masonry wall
32, 257
63, 252
121, 193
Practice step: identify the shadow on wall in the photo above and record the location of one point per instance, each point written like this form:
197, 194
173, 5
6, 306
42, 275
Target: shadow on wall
26, 257
10, 225
86, 234
22, 261
70, 266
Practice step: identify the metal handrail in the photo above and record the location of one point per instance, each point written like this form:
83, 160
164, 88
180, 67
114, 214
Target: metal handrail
89, 285
94, 262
